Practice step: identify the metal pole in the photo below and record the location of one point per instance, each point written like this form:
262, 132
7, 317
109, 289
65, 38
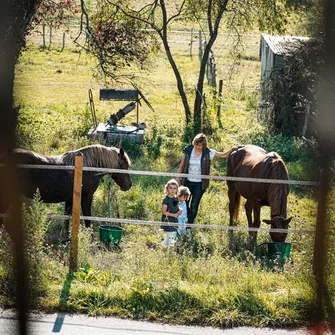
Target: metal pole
109, 199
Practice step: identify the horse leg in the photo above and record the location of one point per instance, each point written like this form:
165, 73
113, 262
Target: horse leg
65, 233
86, 205
248, 211
234, 204
257, 222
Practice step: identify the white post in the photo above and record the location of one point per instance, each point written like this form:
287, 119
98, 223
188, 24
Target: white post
304, 129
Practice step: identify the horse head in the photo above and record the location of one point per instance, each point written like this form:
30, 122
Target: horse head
278, 222
123, 179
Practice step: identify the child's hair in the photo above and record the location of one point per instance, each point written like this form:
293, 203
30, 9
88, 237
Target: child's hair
170, 182
200, 139
184, 191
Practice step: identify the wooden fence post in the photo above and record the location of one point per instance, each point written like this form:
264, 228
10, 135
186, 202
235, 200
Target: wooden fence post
78, 176
200, 45
191, 43
63, 42
304, 129
220, 99
43, 36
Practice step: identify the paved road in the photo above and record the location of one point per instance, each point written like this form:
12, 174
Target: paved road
65, 324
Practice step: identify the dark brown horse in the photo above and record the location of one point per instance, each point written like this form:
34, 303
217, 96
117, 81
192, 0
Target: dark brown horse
251, 161
56, 185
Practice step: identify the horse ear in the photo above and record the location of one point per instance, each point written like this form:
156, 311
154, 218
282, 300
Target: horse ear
121, 153
288, 220
267, 221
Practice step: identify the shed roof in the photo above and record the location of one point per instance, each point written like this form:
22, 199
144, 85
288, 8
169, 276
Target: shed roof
283, 45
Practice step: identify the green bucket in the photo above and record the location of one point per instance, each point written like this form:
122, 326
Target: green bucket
279, 251
110, 234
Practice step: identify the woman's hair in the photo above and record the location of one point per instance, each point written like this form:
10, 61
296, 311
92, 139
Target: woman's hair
200, 139
184, 191
169, 183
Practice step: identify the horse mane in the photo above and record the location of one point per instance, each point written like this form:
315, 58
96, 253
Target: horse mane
95, 155
273, 154
277, 193
24, 156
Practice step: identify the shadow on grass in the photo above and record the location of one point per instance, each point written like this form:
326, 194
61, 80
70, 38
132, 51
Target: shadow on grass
64, 297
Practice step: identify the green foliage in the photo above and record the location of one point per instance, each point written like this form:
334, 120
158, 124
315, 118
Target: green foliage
291, 149
117, 40
153, 144
35, 224
89, 275
53, 129
135, 204
294, 89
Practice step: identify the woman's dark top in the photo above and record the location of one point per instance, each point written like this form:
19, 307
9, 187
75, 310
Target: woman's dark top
172, 207
205, 165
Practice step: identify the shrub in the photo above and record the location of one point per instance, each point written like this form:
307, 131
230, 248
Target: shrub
35, 224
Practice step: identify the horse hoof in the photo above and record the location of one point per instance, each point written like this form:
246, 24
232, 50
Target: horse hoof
66, 240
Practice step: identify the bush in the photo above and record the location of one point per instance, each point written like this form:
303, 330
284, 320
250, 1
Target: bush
35, 224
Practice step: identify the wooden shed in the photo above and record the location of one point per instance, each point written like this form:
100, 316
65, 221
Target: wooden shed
274, 50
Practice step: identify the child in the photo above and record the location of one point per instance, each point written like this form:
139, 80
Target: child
170, 212
183, 195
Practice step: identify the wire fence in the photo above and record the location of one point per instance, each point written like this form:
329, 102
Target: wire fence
177, 175
172, 174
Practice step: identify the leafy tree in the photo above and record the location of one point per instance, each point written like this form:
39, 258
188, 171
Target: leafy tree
54, 14
114, 39
154, 20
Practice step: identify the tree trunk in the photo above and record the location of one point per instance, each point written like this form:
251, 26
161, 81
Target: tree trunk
163, 35
213, 33
200, 85
180, 84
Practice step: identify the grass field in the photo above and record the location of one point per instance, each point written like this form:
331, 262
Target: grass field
211, 280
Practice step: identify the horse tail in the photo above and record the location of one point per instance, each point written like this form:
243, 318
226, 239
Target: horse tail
237, 205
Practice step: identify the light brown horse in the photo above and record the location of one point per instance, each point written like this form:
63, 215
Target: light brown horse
251, 161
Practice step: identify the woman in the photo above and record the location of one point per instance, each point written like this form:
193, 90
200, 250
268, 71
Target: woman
196, 161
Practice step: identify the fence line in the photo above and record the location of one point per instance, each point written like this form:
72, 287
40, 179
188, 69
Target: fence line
159, 223
172, 174
191, 225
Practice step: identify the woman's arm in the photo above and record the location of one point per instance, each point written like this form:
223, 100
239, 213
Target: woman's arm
226, 153
181, 167
182, 163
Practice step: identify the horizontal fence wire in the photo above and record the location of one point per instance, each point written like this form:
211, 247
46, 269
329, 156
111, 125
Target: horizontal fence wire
190, 225
172, 224
169, 174
172, 174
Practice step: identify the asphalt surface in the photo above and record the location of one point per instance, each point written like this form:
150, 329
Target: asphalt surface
65, 324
